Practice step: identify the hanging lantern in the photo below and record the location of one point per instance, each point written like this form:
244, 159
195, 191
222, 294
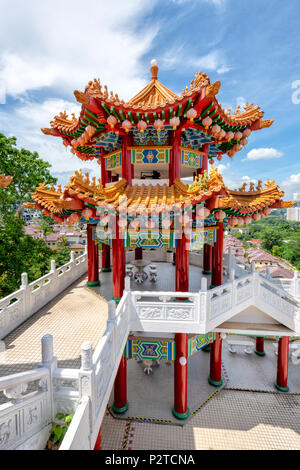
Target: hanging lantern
158, 124
229, 135
238, 135
66, 142
126, 125
206, 122
220, 215
230, 153
111, 120
246, 132
175, 121
87, 213
211, 161
74, 143
222, 134
166, 222
135, 223
244, 141
123, 222
73, 151
247, 220
240, 221
267, 211
231, 222
69, 221
191, 114
256, 216
203, 212
142, 125
59, 220
215, 129
75, 217
219, 157
45, 212
90, 130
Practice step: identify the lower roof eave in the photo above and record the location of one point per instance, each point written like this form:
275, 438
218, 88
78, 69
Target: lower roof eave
256, 329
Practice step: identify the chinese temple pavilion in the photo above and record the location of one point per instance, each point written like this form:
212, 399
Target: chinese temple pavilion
144, 147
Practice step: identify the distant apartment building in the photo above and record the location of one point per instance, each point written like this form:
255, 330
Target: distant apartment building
293, 213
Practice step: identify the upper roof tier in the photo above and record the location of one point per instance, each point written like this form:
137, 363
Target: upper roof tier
156, 107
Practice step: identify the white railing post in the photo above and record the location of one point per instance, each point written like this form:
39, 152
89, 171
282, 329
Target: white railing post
127, 283
203, 303
231, 275
86, 377
50, 362
72, 257
111, 320
252, 266
26, 293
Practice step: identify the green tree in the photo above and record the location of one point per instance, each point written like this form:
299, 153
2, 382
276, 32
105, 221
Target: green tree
27, 169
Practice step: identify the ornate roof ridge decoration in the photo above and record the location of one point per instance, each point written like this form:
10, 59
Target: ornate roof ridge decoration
137, 197
5, 181
154, 97
255, 198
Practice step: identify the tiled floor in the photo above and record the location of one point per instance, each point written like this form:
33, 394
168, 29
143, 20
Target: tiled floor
165, 280
75, 316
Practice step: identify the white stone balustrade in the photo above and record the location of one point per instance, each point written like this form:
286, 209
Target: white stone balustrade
25, 420
20, 305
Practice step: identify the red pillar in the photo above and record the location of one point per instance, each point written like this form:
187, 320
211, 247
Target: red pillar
180, 409
259, 349
182, 266
98, 441
215, 373
126, 159
105, 178
217, 258
118, 262
207, 259
282, 364
93, 263
120, 404
174, 165
138, 253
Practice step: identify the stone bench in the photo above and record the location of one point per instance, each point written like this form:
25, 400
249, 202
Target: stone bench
292, 346
232, 343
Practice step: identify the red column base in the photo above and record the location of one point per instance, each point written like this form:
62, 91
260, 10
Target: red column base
259, 350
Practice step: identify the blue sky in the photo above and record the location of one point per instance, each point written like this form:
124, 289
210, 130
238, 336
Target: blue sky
49, 48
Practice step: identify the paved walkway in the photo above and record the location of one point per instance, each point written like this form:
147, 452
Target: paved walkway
74, 316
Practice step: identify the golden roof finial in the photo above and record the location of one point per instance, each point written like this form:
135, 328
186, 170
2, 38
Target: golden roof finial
154, 69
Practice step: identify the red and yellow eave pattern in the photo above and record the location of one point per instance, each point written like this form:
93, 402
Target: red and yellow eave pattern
82, 192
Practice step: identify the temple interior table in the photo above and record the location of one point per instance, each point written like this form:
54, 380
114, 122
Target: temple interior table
140, 275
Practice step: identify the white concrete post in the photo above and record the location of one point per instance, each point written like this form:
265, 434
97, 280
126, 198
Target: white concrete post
87, 386
203, 284
252, 266
53, 266
127, 283
72, 256
268, 273
50, 362
231, 275
26, 294
111, 322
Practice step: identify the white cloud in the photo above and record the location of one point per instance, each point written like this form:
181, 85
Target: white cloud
45, 45
263, 153
56, 47
291, 185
